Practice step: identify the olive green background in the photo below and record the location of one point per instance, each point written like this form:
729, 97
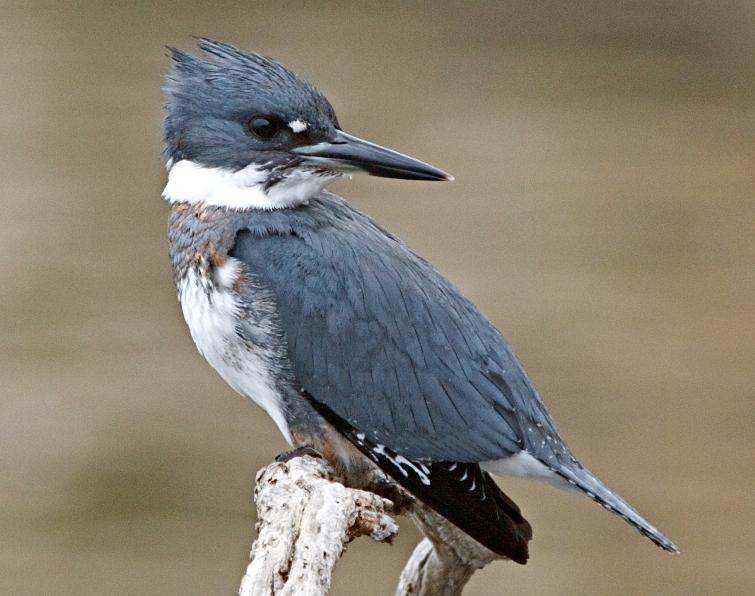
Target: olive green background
602, 216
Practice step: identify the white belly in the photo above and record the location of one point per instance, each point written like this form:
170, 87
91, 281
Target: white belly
212, 313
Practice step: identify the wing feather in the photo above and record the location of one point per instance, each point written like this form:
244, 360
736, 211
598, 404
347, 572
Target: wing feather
380, 337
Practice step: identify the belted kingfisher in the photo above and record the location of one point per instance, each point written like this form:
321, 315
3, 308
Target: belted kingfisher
355, 346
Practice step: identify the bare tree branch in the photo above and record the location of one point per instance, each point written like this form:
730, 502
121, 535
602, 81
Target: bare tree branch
307, 516
305, 519
444, 561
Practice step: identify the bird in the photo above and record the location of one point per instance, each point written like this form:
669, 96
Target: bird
356, 347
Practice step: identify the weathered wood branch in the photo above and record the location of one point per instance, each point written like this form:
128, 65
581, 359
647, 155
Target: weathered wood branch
442, 563
305, 519
306, 516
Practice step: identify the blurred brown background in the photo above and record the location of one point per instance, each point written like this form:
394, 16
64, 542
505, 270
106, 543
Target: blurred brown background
602, 216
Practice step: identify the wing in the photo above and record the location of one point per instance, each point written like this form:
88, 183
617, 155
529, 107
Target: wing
381, 338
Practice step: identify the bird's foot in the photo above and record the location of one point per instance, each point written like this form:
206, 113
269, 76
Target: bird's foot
286, 456
385, 487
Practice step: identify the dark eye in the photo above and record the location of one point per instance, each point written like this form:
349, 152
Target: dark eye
263, 127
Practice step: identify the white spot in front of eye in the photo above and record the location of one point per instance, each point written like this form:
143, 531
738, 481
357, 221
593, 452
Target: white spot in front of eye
298, 125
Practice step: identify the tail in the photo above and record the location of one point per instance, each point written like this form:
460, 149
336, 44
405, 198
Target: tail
600, 493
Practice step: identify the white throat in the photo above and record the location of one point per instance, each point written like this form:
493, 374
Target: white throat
190, 182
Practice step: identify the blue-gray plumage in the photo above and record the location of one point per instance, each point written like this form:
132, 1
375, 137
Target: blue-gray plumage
342, 333
383, 339
217, 95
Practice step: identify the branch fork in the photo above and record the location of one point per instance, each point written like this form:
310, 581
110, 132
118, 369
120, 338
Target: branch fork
307, 516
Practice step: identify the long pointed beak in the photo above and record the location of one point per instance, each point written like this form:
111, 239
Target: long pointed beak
346, 153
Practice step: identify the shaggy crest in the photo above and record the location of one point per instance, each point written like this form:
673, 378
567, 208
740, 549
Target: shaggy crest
209, 99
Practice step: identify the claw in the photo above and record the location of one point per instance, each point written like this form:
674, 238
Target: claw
298, 452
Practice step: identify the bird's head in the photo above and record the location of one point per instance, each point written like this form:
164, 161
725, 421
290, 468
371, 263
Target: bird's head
242, 131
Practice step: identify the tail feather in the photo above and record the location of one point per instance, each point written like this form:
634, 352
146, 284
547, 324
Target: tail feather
600, 493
